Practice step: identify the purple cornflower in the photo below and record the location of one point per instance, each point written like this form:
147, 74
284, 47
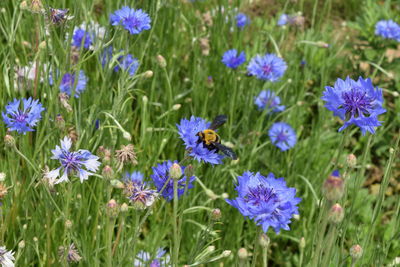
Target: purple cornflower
188, 130
161, 175
81, 36
283, 20
388, 29
266, 200
127, 63
242, 20
143, 258
268, 100
267, 67
73, 163
232, 60
68, 81
23, 119
134, 21
356, 102
58, 16
282, 136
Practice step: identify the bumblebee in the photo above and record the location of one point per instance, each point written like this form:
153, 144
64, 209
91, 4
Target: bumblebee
211, 139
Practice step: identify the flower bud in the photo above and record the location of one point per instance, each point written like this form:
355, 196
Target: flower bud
161, 61
336, 214
9, 141
243, 254
112, 208
322, 44
117, 184
216, 214
42, 45
68, 224
107, 172
189, 170
60, 122
351, 160
226, 253
333, 187
2, 176
176, 106
356, 252
148, 74
225, 195
21, 244
35, 239
124, 207
175, 171
302, 243
264, 240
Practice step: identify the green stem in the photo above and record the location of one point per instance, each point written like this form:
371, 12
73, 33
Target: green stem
321, 234
255, 246
175, 225
265, 256
25, 158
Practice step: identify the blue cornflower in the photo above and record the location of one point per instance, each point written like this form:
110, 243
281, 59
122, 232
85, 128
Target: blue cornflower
161, 175
134, 177
135, 21
106, 55
268, 100
232, 60
242, 20
358, 103
68, 81
268, 67
127, 63
188, 130
81, 163
81, 36
282, 136
388, 29
266, 200
143, 258
23, 119
283, 20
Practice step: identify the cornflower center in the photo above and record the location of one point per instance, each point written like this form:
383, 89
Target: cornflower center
71, 161
356, 102
281, 137
266, 69
260, 194
133, 22
21, 116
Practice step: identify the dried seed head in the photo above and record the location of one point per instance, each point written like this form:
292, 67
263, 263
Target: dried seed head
126, 155
104, 154
3, 191
63, 97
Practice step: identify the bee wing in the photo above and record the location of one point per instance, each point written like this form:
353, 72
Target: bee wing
218, 121
226, 150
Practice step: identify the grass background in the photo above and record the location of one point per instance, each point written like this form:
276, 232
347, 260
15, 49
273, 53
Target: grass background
144, 107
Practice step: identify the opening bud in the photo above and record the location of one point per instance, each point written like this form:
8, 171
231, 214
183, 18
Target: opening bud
333, 188
175, 171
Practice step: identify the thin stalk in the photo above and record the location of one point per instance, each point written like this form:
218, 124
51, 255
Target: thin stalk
255, 246
265, 256
175, 225
321, 234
